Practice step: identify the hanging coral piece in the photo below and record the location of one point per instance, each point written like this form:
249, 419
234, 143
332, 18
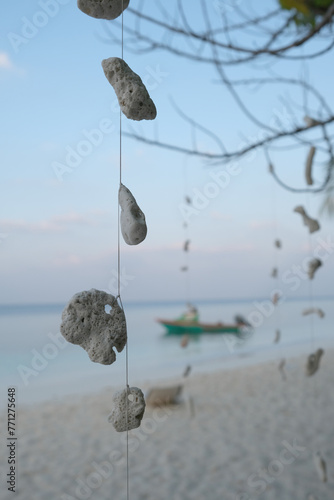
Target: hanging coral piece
277, 336
103, 9
132, 95
186, 245
314, 310
313, 362
133, 223
313, 265
281, 368
128, 409
308, 167
184, 341
320, 466
275, 298
310, 122
184, 268
278, 244
85, 322
274, 272
312, 224
188, 200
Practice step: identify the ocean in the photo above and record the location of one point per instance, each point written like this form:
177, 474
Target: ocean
36, 359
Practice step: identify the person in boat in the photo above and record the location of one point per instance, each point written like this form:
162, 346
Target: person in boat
190, 315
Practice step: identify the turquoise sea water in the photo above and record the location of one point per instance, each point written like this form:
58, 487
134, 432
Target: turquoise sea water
35, 358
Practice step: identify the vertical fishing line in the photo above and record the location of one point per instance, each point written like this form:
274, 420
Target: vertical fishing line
186, 234
310, 293
276, 249
119, 278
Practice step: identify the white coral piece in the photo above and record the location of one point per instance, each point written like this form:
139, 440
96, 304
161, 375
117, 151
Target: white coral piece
128, 409
103, 9
133, 98
133, 223
85, 322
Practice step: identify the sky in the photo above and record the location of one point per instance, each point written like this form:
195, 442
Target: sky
58, 228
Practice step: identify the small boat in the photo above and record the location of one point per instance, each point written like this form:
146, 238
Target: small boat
190, 326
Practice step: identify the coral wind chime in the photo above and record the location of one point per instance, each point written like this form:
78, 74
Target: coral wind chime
313, 360
85, 320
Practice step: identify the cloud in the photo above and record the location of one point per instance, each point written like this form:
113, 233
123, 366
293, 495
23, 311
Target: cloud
67, 261
5, 62
58, 223
228, 248
262, 224
216, 215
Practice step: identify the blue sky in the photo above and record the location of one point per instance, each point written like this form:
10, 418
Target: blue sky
59, 233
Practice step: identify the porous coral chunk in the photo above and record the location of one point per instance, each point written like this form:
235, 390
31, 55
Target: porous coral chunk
128, 409
133, 98
85, 322
103, 9
133, 223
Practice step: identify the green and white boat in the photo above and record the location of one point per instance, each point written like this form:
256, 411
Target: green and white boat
180, 326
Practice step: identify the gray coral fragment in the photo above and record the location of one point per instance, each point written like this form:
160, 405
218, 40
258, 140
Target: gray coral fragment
277, 336
310, 122
133, 223
312, 224
313, 265
274, 272
281, 368
133, 98
314, 310
308, 166
320, 466
128, 409
103, 9
85, 322
313, 362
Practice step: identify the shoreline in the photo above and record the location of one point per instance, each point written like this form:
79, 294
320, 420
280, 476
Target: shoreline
238, 424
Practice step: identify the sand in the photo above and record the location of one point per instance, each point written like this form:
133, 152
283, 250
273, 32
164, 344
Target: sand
247, 434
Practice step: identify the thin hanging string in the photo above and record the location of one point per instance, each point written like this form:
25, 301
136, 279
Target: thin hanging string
311, 302
311, 296
276, 249
119, 279
186, 234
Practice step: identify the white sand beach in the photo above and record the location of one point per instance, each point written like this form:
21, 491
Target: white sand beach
249, 434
